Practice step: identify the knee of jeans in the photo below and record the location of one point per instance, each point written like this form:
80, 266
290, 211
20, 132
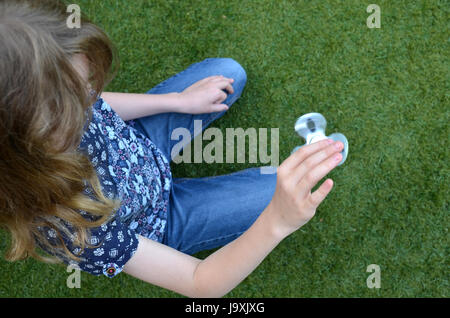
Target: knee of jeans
238, 73
229, 67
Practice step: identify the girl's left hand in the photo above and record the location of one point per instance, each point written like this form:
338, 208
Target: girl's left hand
206, 95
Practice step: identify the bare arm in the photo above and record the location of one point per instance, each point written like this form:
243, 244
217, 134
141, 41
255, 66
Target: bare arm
292, 206
131, 106
215, 276
204, 96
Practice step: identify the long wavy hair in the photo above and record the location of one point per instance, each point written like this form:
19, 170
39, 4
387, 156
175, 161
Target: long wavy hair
44, 107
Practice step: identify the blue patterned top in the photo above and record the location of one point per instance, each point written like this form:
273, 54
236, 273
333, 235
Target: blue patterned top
129, 167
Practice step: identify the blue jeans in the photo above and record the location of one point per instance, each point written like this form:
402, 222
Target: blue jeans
206, 213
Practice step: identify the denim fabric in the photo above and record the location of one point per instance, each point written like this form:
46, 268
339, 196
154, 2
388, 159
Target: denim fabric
206, 213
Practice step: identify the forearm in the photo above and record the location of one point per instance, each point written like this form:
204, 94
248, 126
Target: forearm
132, 106
227, 267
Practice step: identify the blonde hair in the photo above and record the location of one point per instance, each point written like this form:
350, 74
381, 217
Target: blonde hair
44, 106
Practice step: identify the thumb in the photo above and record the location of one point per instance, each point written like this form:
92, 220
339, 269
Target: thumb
320, 194
219, 108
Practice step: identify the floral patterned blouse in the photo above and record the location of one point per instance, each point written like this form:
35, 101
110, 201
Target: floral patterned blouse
133, 169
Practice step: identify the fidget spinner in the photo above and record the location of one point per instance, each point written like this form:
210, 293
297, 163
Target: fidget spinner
311, 127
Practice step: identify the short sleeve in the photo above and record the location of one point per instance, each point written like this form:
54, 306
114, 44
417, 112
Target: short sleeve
113, 246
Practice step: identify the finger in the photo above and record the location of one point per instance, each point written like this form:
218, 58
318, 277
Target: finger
316, 158
215, 78
304, 152
221, 77
320, 194
198, 83
221, 96
207, 80
219, 108
225, 84
229, 89
310, 179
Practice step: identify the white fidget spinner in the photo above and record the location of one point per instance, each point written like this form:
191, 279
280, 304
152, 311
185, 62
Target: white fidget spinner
311, 127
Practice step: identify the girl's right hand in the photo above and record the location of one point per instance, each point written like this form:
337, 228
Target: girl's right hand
293, 204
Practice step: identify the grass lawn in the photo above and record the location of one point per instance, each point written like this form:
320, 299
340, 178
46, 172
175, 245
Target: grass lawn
386, 89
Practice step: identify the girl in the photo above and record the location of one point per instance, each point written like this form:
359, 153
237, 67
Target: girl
86, 175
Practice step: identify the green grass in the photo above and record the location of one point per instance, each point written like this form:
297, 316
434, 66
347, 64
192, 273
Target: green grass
386, 89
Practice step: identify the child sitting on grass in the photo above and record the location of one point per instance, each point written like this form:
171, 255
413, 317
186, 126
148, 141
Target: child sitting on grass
86, 174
